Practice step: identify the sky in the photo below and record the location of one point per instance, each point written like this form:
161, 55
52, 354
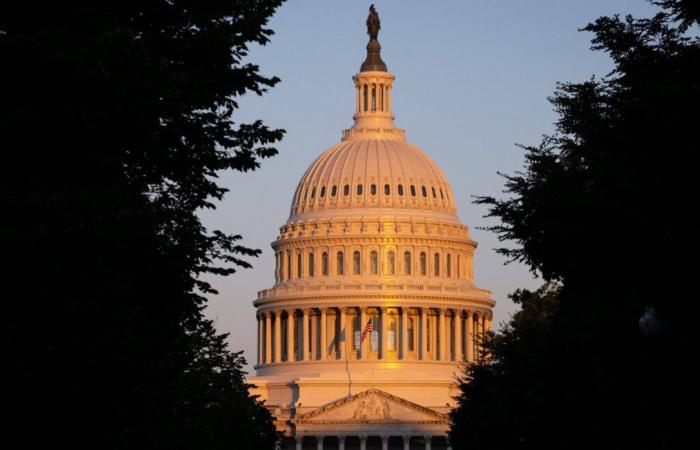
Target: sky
472, 81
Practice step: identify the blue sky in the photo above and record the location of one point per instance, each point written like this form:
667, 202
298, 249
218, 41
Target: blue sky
472, 80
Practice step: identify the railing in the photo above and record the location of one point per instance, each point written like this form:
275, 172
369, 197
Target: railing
283, 291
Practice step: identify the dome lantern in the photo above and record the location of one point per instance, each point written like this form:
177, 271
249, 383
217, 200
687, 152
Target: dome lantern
373, 92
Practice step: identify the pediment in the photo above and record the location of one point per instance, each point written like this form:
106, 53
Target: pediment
372, 406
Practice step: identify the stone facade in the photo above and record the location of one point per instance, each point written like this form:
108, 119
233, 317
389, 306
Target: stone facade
372, 239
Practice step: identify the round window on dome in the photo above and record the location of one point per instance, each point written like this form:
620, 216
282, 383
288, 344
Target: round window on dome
413, 191
424, 191
400, 189
334, 190
387, 189
373, 189
346, 190
323, 191
359, 189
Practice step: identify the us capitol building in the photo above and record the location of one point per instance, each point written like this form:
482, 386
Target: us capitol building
373, 242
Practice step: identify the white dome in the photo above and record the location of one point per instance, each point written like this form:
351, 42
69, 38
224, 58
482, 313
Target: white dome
373, 173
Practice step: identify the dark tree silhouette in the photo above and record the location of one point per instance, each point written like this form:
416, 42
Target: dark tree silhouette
115, 119
603, 209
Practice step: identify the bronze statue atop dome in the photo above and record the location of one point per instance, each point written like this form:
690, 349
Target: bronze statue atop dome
373, 23
373, 62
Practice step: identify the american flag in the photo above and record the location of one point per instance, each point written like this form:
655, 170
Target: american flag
368, 329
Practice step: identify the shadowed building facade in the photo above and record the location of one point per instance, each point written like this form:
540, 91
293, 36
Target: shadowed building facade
373, 238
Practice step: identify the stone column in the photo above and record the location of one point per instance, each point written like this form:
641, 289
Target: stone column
424, 333
441, 328
406, 442
385, 442
404, 332
259, 337
427, 442
319, 442
299, 440
488, 323
476, 334
324, 345
341, 442
343, 336
470, 336
458, 335
385, 334
363, 442
278, 336
305, 337
290, 336
364, 343
268, 338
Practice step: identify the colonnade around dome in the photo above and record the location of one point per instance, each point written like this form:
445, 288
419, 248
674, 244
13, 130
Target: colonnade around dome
399, 334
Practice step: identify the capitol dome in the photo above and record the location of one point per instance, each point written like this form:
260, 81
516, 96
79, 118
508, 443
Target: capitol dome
373, 309
371, 174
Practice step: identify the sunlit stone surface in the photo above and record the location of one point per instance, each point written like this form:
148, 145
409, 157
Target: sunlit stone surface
373, 237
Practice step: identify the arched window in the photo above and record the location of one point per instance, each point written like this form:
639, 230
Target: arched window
387, 189
434, 196
334, 190
289, 265
424, 191
448, 265
423, 264
300, 269
373, 189
407, 262
356, 262
400, 188
441, 196
374, 336
459, 272
280, 274
364, 97
346, 190
357, 335
429, 334
311, 264
323, 191
391, 335
313, 193
413, 191
391, 263
359, 189
411, 336
324, 263
340, 263
373, 263
436, 265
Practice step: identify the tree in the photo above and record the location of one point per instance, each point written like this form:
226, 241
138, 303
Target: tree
603, 209
116, 118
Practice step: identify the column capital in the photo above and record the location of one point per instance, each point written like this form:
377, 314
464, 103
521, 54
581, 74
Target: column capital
384, 437
299, 437
319, 438
406, 437
341, 438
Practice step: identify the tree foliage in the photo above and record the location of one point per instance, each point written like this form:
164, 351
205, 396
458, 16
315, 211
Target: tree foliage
116, 119
603, 209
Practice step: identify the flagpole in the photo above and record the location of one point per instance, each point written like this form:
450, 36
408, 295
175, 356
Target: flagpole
347, 364
375, 357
